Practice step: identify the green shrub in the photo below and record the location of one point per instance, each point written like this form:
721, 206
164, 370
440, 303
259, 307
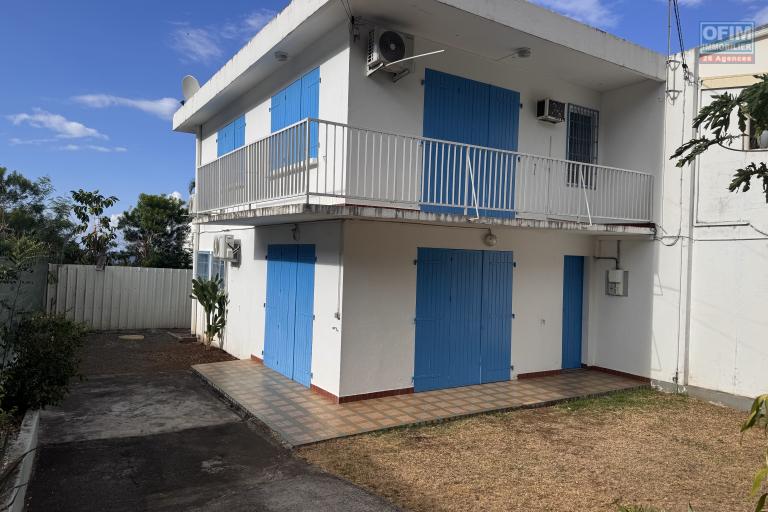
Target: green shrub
45, 357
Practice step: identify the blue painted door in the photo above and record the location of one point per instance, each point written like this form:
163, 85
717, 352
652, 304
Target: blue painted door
290, 310
573, 299
460, 110
463, 318
496, 331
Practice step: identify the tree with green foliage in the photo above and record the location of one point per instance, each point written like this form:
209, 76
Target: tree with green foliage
750, 107
156, 232
28, 208
97, 234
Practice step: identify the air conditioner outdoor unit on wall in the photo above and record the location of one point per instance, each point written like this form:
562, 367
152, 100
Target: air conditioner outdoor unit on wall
224, 247
385, 49
550, 111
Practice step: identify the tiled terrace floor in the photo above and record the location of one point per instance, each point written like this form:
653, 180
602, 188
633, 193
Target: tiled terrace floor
301, 416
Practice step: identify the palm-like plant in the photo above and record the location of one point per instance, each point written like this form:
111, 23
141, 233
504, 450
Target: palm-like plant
213, 299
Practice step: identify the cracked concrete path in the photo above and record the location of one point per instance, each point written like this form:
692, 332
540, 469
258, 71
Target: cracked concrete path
129, 439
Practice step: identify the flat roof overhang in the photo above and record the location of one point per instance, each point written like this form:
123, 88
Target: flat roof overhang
491, 29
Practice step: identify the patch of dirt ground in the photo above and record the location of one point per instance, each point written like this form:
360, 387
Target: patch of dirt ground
107, 354
632, 448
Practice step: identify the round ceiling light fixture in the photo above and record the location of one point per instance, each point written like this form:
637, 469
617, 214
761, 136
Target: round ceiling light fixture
281, 56
523, 52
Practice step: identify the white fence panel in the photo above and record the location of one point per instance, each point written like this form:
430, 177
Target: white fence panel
119, 298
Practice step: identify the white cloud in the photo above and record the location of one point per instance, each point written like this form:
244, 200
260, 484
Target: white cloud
63, 127
761, 16
176, 195
592, 12
162, 108
206, 44
15, 141
92, 147
114, 219
196, 44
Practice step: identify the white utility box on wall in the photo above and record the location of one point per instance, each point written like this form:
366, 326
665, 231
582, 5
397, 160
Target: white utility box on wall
616, 283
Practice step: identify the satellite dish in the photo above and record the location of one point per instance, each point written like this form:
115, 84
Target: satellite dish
189, 86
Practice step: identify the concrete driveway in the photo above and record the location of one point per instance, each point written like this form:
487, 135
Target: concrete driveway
142, 433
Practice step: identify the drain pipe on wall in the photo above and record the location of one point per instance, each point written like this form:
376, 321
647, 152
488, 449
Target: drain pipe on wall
692, 214
616, 259
196, 235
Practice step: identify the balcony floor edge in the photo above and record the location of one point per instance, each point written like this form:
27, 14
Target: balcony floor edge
295, 213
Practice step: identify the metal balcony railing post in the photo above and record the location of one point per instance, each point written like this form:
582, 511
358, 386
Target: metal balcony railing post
306, 156
584, 189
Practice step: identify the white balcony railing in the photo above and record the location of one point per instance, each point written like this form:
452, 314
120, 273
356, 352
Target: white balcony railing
342, 164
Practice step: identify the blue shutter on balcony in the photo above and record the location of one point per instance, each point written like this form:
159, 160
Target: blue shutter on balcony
292, 103
231, 137
277, 111
310, 106
225, 140
299, 100
239, 132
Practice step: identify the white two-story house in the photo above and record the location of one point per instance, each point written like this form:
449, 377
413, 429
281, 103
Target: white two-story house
429, 195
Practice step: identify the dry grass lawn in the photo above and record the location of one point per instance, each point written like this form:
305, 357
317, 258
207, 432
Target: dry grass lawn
633, 448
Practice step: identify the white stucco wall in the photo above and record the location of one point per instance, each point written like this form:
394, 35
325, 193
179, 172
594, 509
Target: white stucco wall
247, 290
377, 103
380, 297
716, 236
330, 54
630, 118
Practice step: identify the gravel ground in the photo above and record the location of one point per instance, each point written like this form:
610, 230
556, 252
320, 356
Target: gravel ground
634, 448
107, 354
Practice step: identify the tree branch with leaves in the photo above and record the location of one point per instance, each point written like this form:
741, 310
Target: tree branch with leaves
96, 229
750, 107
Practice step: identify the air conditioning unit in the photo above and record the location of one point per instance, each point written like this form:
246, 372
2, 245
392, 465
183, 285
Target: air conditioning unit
385, 49
224, 247
550, 111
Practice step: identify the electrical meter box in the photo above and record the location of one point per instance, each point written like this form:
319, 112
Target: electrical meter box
617, 283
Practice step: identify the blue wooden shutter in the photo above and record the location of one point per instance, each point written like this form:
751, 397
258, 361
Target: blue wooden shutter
277, 111
466, 317
433, 295
496, 335
225, 141
239, 132
292, 103
310, 106
304, 319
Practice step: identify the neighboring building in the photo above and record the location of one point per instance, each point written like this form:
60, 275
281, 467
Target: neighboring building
714, 243
432, 231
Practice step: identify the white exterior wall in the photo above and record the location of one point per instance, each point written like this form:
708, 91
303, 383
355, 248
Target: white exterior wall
247, 290
725, 232
331, 55
377, 103
378, 340
620, 328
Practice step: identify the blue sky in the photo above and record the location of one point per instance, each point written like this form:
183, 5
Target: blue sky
89, 86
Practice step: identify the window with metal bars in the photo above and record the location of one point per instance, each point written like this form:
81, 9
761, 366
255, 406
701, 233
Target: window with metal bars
583, 125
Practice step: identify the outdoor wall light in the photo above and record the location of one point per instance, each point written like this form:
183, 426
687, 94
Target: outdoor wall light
490, 239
